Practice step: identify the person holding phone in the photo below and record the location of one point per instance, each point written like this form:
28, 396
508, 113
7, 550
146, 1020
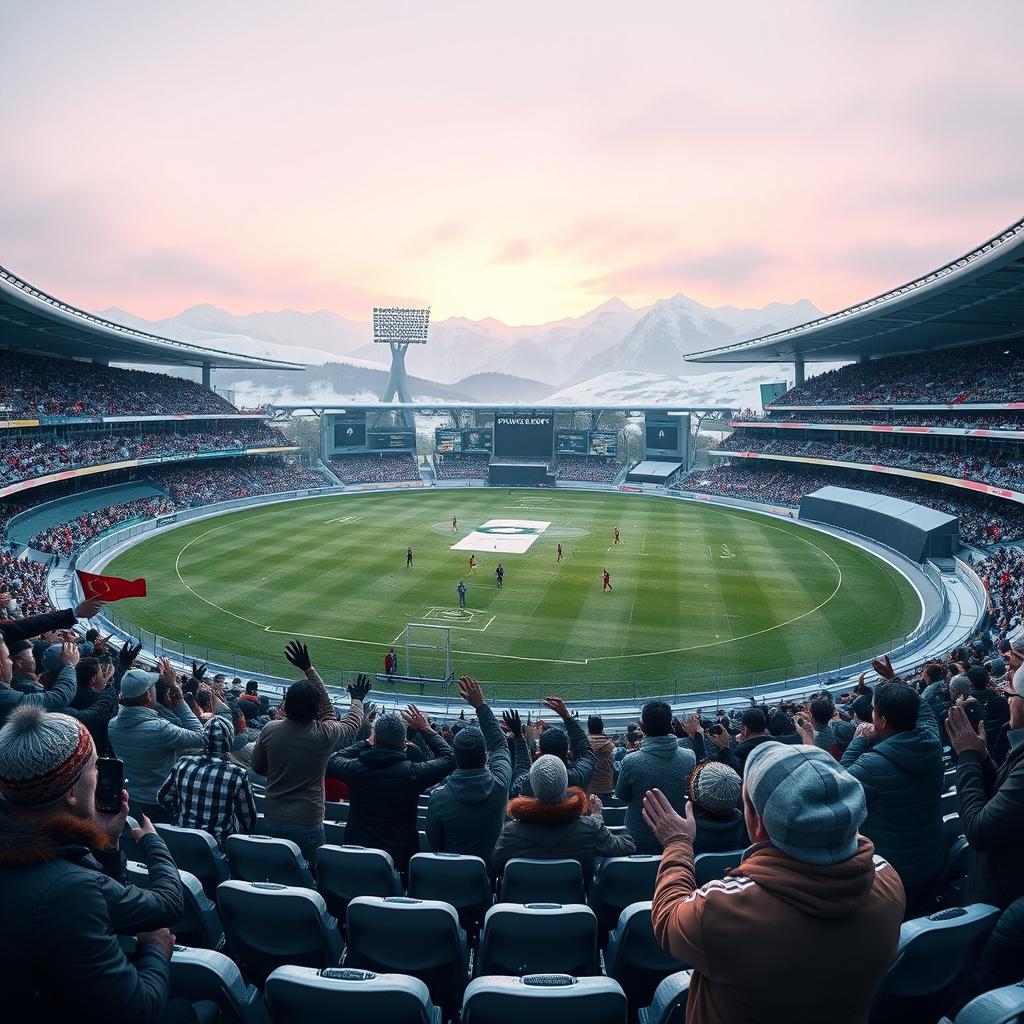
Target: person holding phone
63, 887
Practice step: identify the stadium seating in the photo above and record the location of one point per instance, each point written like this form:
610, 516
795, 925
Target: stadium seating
669, 1003
543, 999
619, 882
709, 866
374, 469
203, 974
462, 881
199, 926
263, 859
196, 851
305, 995
345, 872
525, 880
634, 957
1000, 1006
269, 926
538, 937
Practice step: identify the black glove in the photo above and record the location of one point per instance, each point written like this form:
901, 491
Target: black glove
127, 655
298, 655
359, 689
198, 671
512, 722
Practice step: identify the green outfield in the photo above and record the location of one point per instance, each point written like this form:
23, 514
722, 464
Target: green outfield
702, 595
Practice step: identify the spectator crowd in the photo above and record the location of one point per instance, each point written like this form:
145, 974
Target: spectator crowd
449, 466
64, 538
375, 469
586, 469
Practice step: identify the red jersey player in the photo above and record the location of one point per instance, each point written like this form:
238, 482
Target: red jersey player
606, 580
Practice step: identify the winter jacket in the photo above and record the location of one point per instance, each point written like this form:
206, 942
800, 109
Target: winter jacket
468, 809
95, 709
57, 698
149, 745
902, 780
33, 625
743, 933
996, 712
383, 790
744, 748
65, 903
559, 831
581, 770
719, 835
999, 963
659, 764
992, 819
603, 779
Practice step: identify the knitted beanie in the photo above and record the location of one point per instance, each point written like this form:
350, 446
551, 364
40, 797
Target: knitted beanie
549, 779
469, 747
389, 732
42, 755
843, 732
715, 788
811, 808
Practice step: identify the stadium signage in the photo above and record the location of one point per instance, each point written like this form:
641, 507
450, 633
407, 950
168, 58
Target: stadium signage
878, 428
524, 421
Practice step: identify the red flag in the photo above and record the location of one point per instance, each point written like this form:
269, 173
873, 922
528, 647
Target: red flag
110, 588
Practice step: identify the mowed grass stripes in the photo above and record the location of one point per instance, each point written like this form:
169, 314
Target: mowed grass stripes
703, 595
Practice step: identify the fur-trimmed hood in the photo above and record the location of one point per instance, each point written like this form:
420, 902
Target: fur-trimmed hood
536, 812
26, 839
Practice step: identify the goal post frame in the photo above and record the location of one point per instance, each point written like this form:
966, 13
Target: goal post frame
425, 645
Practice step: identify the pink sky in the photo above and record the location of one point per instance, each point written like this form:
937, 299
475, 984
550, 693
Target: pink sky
523, 161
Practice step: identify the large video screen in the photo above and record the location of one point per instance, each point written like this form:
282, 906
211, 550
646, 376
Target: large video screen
401, 440
448, 442
529, 434
350, 432
477, 440
571, 442
603, 442
663, 437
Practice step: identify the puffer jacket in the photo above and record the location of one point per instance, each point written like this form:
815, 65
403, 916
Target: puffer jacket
603, 779
383, 789
57, 698
902, 780
659, 764
565, 830
65, 903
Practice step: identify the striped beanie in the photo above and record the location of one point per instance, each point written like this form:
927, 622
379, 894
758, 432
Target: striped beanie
811, 808
715, 788
42, 756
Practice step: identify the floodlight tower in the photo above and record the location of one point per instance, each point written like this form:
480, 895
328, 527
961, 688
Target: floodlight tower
399, 328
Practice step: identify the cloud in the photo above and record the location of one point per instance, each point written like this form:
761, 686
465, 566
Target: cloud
728, 265
516, 251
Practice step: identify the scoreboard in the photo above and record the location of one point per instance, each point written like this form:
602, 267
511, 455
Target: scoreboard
454, 442
603, 442
571, 442
350, 432
391, 440
524, 433
447, 442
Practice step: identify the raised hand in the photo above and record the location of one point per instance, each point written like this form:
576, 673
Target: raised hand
557, 705
70, 654
663, 821
298, 655
691, 725
883, 666
470, 691
415, 719
127, 655
962, 736
198, 670
88, 608
512, 722
360, 688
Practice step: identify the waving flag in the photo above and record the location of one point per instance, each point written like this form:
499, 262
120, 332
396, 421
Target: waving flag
110, 588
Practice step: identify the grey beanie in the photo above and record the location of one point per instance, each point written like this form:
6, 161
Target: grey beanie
549, 779
811, 808
469, 747
42, 755
389, 731
715, 788
843, 732
959, 686
997, 667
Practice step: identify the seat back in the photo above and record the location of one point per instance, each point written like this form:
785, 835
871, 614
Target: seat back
538, 938
344, 872
196, 851
410, 936
526, 880
334, 833
614, 816
1000, 1006
460, 880
709, 866
200, 924
263, 859
635, 958
669, 1003
543, 999
934, 950
268, 925
619, 882
949, 802
951, 829
955, 865
302, 995
336, 810
203, 974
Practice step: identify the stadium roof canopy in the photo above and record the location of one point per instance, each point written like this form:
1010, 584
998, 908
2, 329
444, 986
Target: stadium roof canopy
32, 321
976, 298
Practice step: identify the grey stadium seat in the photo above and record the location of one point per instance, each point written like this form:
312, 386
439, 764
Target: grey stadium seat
345, 872
407, 936
538, 938
196, 851
620, 881
669, 1003
203, 974
543, 999
200, 924
336, 811
263, 859
334, 833
453, 878
709, 866
269, 925
634, 957
1000, 1006
933, 951
304, 995
951, 828
950, 802
614, 816
527, 880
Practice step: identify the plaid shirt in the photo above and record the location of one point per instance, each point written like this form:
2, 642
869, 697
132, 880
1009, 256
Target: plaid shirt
210, 792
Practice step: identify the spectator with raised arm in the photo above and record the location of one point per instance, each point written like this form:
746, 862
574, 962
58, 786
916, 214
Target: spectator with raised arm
57, 698
559, 743
467, 810
292, 753
384, 785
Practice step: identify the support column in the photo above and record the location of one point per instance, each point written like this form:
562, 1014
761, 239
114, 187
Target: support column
798, 369
207, 375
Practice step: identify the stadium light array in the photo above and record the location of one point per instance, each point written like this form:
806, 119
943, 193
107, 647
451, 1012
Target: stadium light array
396, 325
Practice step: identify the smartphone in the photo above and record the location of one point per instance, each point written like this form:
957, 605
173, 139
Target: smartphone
974, 711
109, 784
